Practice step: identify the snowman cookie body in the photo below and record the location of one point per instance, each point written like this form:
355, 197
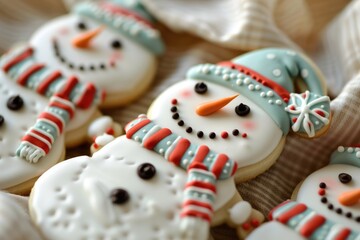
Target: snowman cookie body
325, 206
112, 195
57, 78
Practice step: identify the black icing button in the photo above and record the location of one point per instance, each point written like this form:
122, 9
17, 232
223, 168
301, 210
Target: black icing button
242, 110
146, 171
116, 44
201, 88
2, 120
15, 102
345, 178
119, 196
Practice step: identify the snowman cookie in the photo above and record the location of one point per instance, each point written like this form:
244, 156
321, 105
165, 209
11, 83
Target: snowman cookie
324, 206
51, 86
112, 44
245, 107
125, 191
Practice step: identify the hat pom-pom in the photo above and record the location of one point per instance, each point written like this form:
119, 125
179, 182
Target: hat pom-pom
309, 113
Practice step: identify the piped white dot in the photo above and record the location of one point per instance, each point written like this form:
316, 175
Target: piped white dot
358, 154
270, 56
317, 122
226, 77
341, 149
257, 87
278, 102
276, 72
350, 150
238, 82
217, 72
271, 101
161, 151
251, 87
247, 81
270, 93
304, 73
262, 94
168, 143
292, 53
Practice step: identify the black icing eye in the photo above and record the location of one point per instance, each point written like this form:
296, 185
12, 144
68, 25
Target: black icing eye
119, 196
116, 44
82, 26
15, 102
345, 178
2, 120
242, 110
201, 88
146, 171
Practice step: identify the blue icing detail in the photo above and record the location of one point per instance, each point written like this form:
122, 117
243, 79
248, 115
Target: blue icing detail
294, 222
284, 208
34, 79
197, 175
194, 194
60, 112
14, 70
184, 164
163, 143
141, 134
44, 126
322, 232
145, 36
283, 66
346, 157
276, 112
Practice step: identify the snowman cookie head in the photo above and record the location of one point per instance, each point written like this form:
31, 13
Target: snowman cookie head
112, 44
122, 192
334, 190
246, 107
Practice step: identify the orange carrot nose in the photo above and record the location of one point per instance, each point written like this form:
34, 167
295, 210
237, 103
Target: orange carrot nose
83, 40
213, 106
350, 198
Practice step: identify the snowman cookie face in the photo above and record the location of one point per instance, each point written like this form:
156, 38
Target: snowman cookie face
16, 120
332, 181
111, 61
246, 137
115, 194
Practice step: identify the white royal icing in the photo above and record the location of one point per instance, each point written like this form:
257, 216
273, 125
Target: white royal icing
133, 63
263, 135
100, 126
240, 212
72, 199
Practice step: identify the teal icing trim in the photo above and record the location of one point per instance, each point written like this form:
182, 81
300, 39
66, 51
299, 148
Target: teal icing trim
50, 129
349, 155
241, 83
145, 36
134, 5
163, 144
195, 175
284, 66
187, 157
61, 113
194, 194
34, 79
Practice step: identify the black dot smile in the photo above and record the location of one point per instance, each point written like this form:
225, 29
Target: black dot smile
199, 133
78, 66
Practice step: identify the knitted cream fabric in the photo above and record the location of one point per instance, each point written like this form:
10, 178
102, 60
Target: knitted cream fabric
198, 31
15, 223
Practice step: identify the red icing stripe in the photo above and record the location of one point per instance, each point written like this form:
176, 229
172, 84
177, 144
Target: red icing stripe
28, 52
69, 85
125, 12
179, 150
137, 127
42, 135
61, 105
280, 90
219, 165
87, 97
235, 167
36, 142
25, 76
44, 85
201, 153
343, 234
203, 185
311, 225
53, 119
197, 214
270, 215
151, 141
285, 217
197, 203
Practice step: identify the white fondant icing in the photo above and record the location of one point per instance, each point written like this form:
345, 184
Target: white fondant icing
84, 184
99, 126
263, 135
133, 62
104, 139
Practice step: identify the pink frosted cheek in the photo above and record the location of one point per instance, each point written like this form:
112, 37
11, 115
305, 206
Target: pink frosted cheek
249, 125
114, 57
64, 31
331, 183
185, 93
